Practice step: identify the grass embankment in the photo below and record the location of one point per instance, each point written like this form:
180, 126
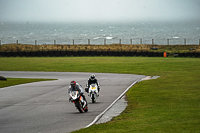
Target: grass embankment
110, 47
170, 103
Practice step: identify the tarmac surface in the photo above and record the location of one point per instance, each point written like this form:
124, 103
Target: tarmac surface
43, 107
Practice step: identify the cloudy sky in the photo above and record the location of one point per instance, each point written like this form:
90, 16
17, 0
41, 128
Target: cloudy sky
98, 10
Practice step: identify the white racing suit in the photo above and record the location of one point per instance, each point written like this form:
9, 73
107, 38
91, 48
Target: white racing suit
76, 88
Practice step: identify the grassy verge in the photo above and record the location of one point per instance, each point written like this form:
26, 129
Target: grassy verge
110, 47
170, 103
17, 81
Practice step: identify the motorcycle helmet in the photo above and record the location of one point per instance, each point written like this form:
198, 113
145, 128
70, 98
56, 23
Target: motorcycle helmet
92, 76
73, 83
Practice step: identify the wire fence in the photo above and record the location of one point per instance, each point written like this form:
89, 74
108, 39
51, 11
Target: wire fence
172, 41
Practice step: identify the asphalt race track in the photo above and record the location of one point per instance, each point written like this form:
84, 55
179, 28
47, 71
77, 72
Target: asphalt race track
43, 107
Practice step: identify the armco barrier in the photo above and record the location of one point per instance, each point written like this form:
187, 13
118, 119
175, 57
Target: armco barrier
95, 53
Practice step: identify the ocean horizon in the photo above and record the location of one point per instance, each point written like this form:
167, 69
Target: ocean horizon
162, 33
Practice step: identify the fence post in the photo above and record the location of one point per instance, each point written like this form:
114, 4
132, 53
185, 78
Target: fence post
120, 41
35, 42
54, 42
185, 41
199, 41
0, 44
131, 41
88, 41
167, 41
73, 41
140, 41
104, 41
152, 41
17, 42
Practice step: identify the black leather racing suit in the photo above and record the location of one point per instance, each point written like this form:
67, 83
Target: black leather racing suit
92, 81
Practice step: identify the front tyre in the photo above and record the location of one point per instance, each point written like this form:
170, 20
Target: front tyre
93, 99
79, 107
86, 109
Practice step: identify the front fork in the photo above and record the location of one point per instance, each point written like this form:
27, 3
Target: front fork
80, 100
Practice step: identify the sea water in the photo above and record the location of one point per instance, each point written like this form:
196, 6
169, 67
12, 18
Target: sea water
100, 33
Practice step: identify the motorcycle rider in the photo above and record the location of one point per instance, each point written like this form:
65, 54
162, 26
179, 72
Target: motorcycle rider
92, 80
76, 87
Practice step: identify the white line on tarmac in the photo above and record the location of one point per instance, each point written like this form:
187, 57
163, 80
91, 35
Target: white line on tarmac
100, 115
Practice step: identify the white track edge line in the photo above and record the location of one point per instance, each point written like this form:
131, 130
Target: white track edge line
100, 115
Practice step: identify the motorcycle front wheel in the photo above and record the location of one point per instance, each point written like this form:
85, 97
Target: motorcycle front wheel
93, 99
86, 109
79, 107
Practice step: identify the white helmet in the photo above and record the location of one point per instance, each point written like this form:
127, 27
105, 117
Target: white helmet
92, 76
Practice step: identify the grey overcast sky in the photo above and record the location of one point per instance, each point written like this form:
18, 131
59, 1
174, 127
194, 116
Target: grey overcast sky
98, 10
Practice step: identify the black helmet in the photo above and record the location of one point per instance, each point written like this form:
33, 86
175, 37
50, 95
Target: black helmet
92, 76
73, 83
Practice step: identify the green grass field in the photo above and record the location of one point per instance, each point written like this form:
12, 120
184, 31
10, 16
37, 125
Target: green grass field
17, 81
170, 103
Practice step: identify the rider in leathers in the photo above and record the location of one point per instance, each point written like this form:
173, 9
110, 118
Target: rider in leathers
92, 80
76, 87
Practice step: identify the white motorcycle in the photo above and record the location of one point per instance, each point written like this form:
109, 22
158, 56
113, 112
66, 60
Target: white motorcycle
78, 100
93, 92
